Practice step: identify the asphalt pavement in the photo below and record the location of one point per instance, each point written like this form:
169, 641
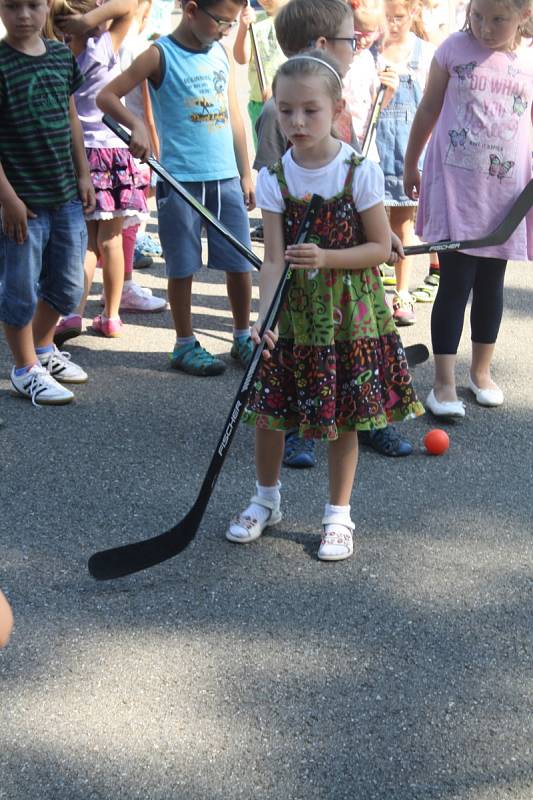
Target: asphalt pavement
257, 671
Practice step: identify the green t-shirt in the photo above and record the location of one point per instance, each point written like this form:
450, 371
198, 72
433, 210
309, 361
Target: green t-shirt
35, 134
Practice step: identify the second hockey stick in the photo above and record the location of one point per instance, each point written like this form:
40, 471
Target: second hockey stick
499, 235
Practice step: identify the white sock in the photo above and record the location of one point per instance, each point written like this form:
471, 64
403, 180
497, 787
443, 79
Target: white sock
340, 515
404, 294
239, 333
127, 283
259, 512
183, 340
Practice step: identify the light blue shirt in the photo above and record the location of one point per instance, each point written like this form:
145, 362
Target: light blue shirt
191, 112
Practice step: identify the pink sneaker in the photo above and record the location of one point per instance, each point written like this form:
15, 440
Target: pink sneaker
107, 327
67, 328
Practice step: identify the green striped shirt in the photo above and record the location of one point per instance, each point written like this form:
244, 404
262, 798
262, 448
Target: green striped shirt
35, 134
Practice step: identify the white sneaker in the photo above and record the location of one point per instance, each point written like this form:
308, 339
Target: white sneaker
60, 367
138, 298
38, 386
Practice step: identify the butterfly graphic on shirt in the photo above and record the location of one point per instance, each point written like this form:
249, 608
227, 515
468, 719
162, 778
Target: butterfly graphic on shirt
519, 105
465, 71
458, 137
499, 168
512, 71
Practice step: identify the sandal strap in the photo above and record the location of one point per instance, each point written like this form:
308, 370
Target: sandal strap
340, 537
262, 501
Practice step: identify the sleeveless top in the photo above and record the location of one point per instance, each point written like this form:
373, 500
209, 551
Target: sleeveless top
191, 112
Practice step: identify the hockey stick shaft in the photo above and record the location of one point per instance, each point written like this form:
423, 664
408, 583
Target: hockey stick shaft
499, 235
373, 121
159, 169
261, 77
125, 560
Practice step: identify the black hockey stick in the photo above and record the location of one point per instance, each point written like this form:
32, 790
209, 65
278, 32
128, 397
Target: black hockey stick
120, 561
373, 122
159, 169
507, 226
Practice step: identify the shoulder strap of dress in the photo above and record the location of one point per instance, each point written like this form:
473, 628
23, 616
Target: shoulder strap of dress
277, 170
354, 161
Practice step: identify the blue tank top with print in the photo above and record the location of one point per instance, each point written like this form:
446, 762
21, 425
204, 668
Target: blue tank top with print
191, 112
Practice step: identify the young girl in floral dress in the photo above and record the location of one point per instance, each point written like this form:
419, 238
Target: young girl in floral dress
337, 363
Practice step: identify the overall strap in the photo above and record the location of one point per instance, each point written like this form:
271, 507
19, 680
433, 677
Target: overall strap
414, 61
353, 162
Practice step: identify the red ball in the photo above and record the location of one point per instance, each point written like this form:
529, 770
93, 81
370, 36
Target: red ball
436, 442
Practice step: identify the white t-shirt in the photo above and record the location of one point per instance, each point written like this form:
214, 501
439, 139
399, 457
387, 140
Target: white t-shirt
368, 182
360, 86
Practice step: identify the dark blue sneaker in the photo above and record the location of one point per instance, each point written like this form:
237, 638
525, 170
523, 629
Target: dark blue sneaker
386, 441
299, 453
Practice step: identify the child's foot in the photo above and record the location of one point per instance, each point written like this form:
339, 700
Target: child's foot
111, 328
442, 407
249, 525
37, 385
487, 393
58, 364
403, 310
148, 246
337, 541
299, 453
67, 328
388, 275
196, 360
139, 299
242, 350
386, 441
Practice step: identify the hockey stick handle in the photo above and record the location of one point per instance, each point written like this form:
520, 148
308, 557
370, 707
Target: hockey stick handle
261, 77
373, 121
158, 168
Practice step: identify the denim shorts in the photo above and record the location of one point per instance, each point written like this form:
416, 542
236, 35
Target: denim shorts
47, 266
180, 227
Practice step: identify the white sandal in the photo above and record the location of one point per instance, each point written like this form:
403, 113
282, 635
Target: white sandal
338, 544
244, 529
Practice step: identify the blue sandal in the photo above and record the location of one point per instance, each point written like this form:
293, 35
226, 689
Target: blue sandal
195, 360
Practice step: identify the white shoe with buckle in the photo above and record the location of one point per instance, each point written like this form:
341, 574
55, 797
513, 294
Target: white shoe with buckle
336, 544
486, 397
246, 527
449, 408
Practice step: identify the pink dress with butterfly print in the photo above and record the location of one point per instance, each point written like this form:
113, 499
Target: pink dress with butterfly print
479, 156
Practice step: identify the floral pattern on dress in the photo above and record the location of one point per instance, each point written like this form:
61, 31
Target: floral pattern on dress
339, 363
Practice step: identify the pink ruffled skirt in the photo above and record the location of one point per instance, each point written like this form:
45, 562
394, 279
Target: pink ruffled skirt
118, 183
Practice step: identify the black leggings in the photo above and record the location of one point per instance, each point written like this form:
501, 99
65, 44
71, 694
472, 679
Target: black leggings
459, 275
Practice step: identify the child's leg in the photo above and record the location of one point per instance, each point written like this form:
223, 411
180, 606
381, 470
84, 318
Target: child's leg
337, 540
112, 261
485, 318
239, 286
264, 507
44, 324
89, 265
401, 220
128, 248
180, 298
20, 342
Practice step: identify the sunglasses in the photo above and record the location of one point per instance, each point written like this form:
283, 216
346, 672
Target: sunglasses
222, 24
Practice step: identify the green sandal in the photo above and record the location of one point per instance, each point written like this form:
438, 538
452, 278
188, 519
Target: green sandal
195, 360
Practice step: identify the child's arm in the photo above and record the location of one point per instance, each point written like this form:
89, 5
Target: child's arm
14, 212
242, 48
80, 24
239, 141
81, 166
146, 66
6, 620
425, 118
376, 249
149, 119
270, 275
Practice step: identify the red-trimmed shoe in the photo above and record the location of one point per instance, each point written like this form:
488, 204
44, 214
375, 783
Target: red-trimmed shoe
111, 328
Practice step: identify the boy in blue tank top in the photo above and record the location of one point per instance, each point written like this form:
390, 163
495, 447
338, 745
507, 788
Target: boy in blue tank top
203, 145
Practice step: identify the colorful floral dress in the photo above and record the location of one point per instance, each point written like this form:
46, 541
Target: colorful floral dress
339, 364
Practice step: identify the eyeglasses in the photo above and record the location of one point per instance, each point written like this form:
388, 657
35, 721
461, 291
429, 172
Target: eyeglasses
351, 39
397, 20
222, 24
369, 37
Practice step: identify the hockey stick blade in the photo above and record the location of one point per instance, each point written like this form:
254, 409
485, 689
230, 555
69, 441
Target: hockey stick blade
507, 226
416, 354
159, 169
120, 561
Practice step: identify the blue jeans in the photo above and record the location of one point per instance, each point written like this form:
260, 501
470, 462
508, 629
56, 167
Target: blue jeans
47, 266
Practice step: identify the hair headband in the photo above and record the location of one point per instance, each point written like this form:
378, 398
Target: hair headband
319, 61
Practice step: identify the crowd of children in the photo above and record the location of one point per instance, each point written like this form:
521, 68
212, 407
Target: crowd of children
74, 196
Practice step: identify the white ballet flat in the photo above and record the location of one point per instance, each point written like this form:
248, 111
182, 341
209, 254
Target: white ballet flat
450, 408
486, 397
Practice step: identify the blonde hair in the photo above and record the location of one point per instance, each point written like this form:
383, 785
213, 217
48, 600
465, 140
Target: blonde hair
64, 8
525, 29
310, 63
